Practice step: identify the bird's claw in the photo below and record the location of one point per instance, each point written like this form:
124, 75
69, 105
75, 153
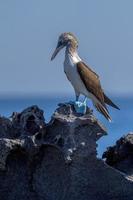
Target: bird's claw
80, 107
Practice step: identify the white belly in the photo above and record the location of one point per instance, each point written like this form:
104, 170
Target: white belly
73, 76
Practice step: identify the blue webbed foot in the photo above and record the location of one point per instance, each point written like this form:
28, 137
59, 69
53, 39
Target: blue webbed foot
80, 107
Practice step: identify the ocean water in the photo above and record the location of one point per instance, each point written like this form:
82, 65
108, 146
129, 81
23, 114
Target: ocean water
121, 125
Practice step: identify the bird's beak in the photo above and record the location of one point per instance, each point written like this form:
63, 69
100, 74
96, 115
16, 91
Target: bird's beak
58, 48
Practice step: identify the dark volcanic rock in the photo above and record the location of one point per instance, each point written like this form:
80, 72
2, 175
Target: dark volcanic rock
120, 156
5, 127
29, 121
56, 161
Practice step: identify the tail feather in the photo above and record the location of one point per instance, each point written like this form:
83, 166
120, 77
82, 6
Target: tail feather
103, 110
110, 103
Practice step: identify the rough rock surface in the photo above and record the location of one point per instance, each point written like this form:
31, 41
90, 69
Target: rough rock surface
56, 161
120, 156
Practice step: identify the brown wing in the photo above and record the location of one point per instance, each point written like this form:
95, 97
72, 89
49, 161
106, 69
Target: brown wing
109, 102
91, 81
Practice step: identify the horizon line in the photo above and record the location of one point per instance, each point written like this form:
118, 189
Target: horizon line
51, 95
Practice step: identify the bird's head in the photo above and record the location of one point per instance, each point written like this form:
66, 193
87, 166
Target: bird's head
65, 39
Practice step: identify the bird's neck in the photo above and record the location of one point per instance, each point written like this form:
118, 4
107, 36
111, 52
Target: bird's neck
71, 51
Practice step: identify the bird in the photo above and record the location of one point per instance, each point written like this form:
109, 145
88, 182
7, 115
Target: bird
84, 80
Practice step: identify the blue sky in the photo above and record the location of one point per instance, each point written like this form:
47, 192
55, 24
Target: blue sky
29, 33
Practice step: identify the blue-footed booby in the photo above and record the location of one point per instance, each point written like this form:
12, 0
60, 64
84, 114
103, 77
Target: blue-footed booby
84, 80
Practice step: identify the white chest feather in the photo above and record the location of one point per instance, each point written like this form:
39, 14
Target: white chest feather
70, 69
